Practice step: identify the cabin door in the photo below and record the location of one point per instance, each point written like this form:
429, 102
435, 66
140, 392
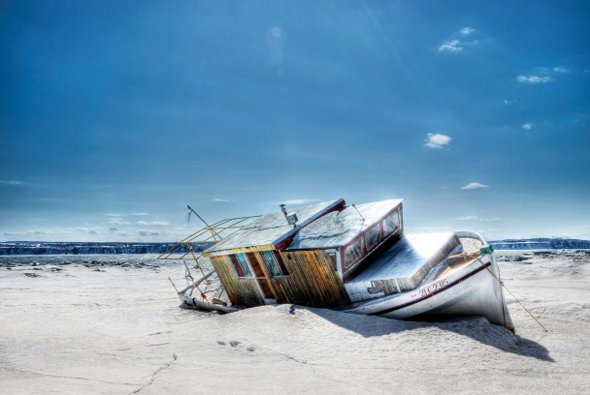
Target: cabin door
263, 282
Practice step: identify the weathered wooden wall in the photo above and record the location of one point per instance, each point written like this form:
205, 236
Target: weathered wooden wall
241, 291
312, 281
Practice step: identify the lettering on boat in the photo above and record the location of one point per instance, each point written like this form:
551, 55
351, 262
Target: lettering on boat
429, 290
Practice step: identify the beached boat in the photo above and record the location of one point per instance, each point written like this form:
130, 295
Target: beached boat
354, 258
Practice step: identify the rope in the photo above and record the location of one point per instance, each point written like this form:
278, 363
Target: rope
511, 294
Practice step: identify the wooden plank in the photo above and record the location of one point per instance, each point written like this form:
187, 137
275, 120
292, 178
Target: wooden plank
241, 291
312, 280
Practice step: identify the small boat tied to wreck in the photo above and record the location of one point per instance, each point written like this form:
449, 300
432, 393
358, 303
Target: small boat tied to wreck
354, 258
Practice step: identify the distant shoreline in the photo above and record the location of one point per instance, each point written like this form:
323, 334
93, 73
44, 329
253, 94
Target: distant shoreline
115, 248
89, 248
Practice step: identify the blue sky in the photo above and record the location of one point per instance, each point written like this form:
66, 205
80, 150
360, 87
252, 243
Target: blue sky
114, 115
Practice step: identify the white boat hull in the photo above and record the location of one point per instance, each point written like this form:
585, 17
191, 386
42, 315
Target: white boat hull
474, 290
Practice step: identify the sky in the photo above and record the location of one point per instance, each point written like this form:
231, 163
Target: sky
116, 114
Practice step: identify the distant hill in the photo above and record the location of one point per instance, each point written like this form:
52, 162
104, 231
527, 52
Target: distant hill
71, 248
542, 243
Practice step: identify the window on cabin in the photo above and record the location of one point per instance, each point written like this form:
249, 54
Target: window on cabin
279, 259
353, 252
372, 237
241, 266
390, 223
236, 265
333, 261
271, 263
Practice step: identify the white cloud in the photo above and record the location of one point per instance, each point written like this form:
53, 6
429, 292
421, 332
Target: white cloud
476, 218
152, 223
112, 215
474, 185
466, 31
533, 79
561, 70
299, 201
527, 126
117, 222
219, 200
139, 214
148, 233
451, 46
11, 182
437, 140
82, 229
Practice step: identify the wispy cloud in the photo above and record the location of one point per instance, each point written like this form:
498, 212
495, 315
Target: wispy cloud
437, 140
139, 214
112, 215
533, 79
451, 46
220, 200
527, 126
11, 182
467, 31
542, 75
148, 233
459, 41
474, 185
508, 102
296, 202
476, 218
117, 222
152, 223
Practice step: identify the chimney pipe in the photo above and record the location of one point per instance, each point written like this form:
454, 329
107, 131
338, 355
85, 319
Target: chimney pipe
291, 218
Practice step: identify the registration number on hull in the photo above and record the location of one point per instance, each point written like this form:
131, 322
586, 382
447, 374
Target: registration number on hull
432, 288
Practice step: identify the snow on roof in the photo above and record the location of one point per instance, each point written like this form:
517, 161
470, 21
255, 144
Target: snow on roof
337, 228
273, 228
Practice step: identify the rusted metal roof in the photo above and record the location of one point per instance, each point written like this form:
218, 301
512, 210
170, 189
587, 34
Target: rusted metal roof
271, 229
337, 228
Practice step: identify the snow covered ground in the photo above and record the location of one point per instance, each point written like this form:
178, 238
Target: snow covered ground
111, 324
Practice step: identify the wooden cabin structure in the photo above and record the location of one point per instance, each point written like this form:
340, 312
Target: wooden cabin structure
305, 256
